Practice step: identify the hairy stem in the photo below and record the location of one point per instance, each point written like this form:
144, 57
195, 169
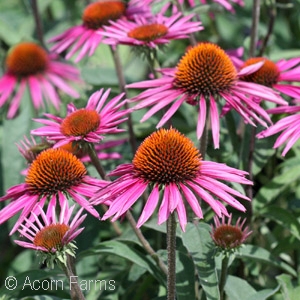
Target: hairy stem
137, 231
272, 13
171, 249
75, 291
95, 161
223, 277
254, 27
122, 84
38, 23
145, 243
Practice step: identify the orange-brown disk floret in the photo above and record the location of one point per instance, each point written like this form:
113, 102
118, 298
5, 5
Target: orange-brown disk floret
51, 236
149, 32
167, 156
80, 123
26, 59
267, 75
100, 13
54, 170
205, 69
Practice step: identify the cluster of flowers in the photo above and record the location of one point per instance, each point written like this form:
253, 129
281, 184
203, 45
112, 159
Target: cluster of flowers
166, 162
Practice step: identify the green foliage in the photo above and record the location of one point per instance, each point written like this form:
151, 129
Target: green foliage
266, 268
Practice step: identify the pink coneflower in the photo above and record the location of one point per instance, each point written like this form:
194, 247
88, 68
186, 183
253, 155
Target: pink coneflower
54, 175
170, 165
150, 32
288, 126
228, 236
48, 234
275, 75
86, 37
30, 66
204, 76
87, 124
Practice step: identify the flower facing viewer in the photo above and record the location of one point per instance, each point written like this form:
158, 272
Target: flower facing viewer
51, 236
87, 124
84, 39
152, 32
204, 76
172, 166
55, 175
29, 65
228, 236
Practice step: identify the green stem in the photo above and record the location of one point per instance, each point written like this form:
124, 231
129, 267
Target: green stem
95, 161
272, 12
145, 243
75, 291
171, 248
122, 84
223, 277
137, 231
254, 27
38, 23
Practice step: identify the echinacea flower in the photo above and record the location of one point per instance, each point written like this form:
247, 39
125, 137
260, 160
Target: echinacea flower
288, 126
204, 76
228, 236
150, 32
53, 237
276, 75
30, 66
55, 175
88, 124
84, 39
170, 165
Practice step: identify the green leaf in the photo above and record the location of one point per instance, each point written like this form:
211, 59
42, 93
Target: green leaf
284, 218
289, 289
260, 254
13, 132
237, 288
185, 274
198, 242
264, 294
125, 251
275, 187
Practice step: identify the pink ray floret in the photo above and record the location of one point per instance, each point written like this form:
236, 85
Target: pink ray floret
289, 127
110, 116
176, 27
163, 92
42, 221
172, 196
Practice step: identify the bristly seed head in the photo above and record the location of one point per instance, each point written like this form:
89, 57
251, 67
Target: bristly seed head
26, 59
167, 156
80, 123
206, 70
267, 75
149, 32
54, 170
51, 237
100, 13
